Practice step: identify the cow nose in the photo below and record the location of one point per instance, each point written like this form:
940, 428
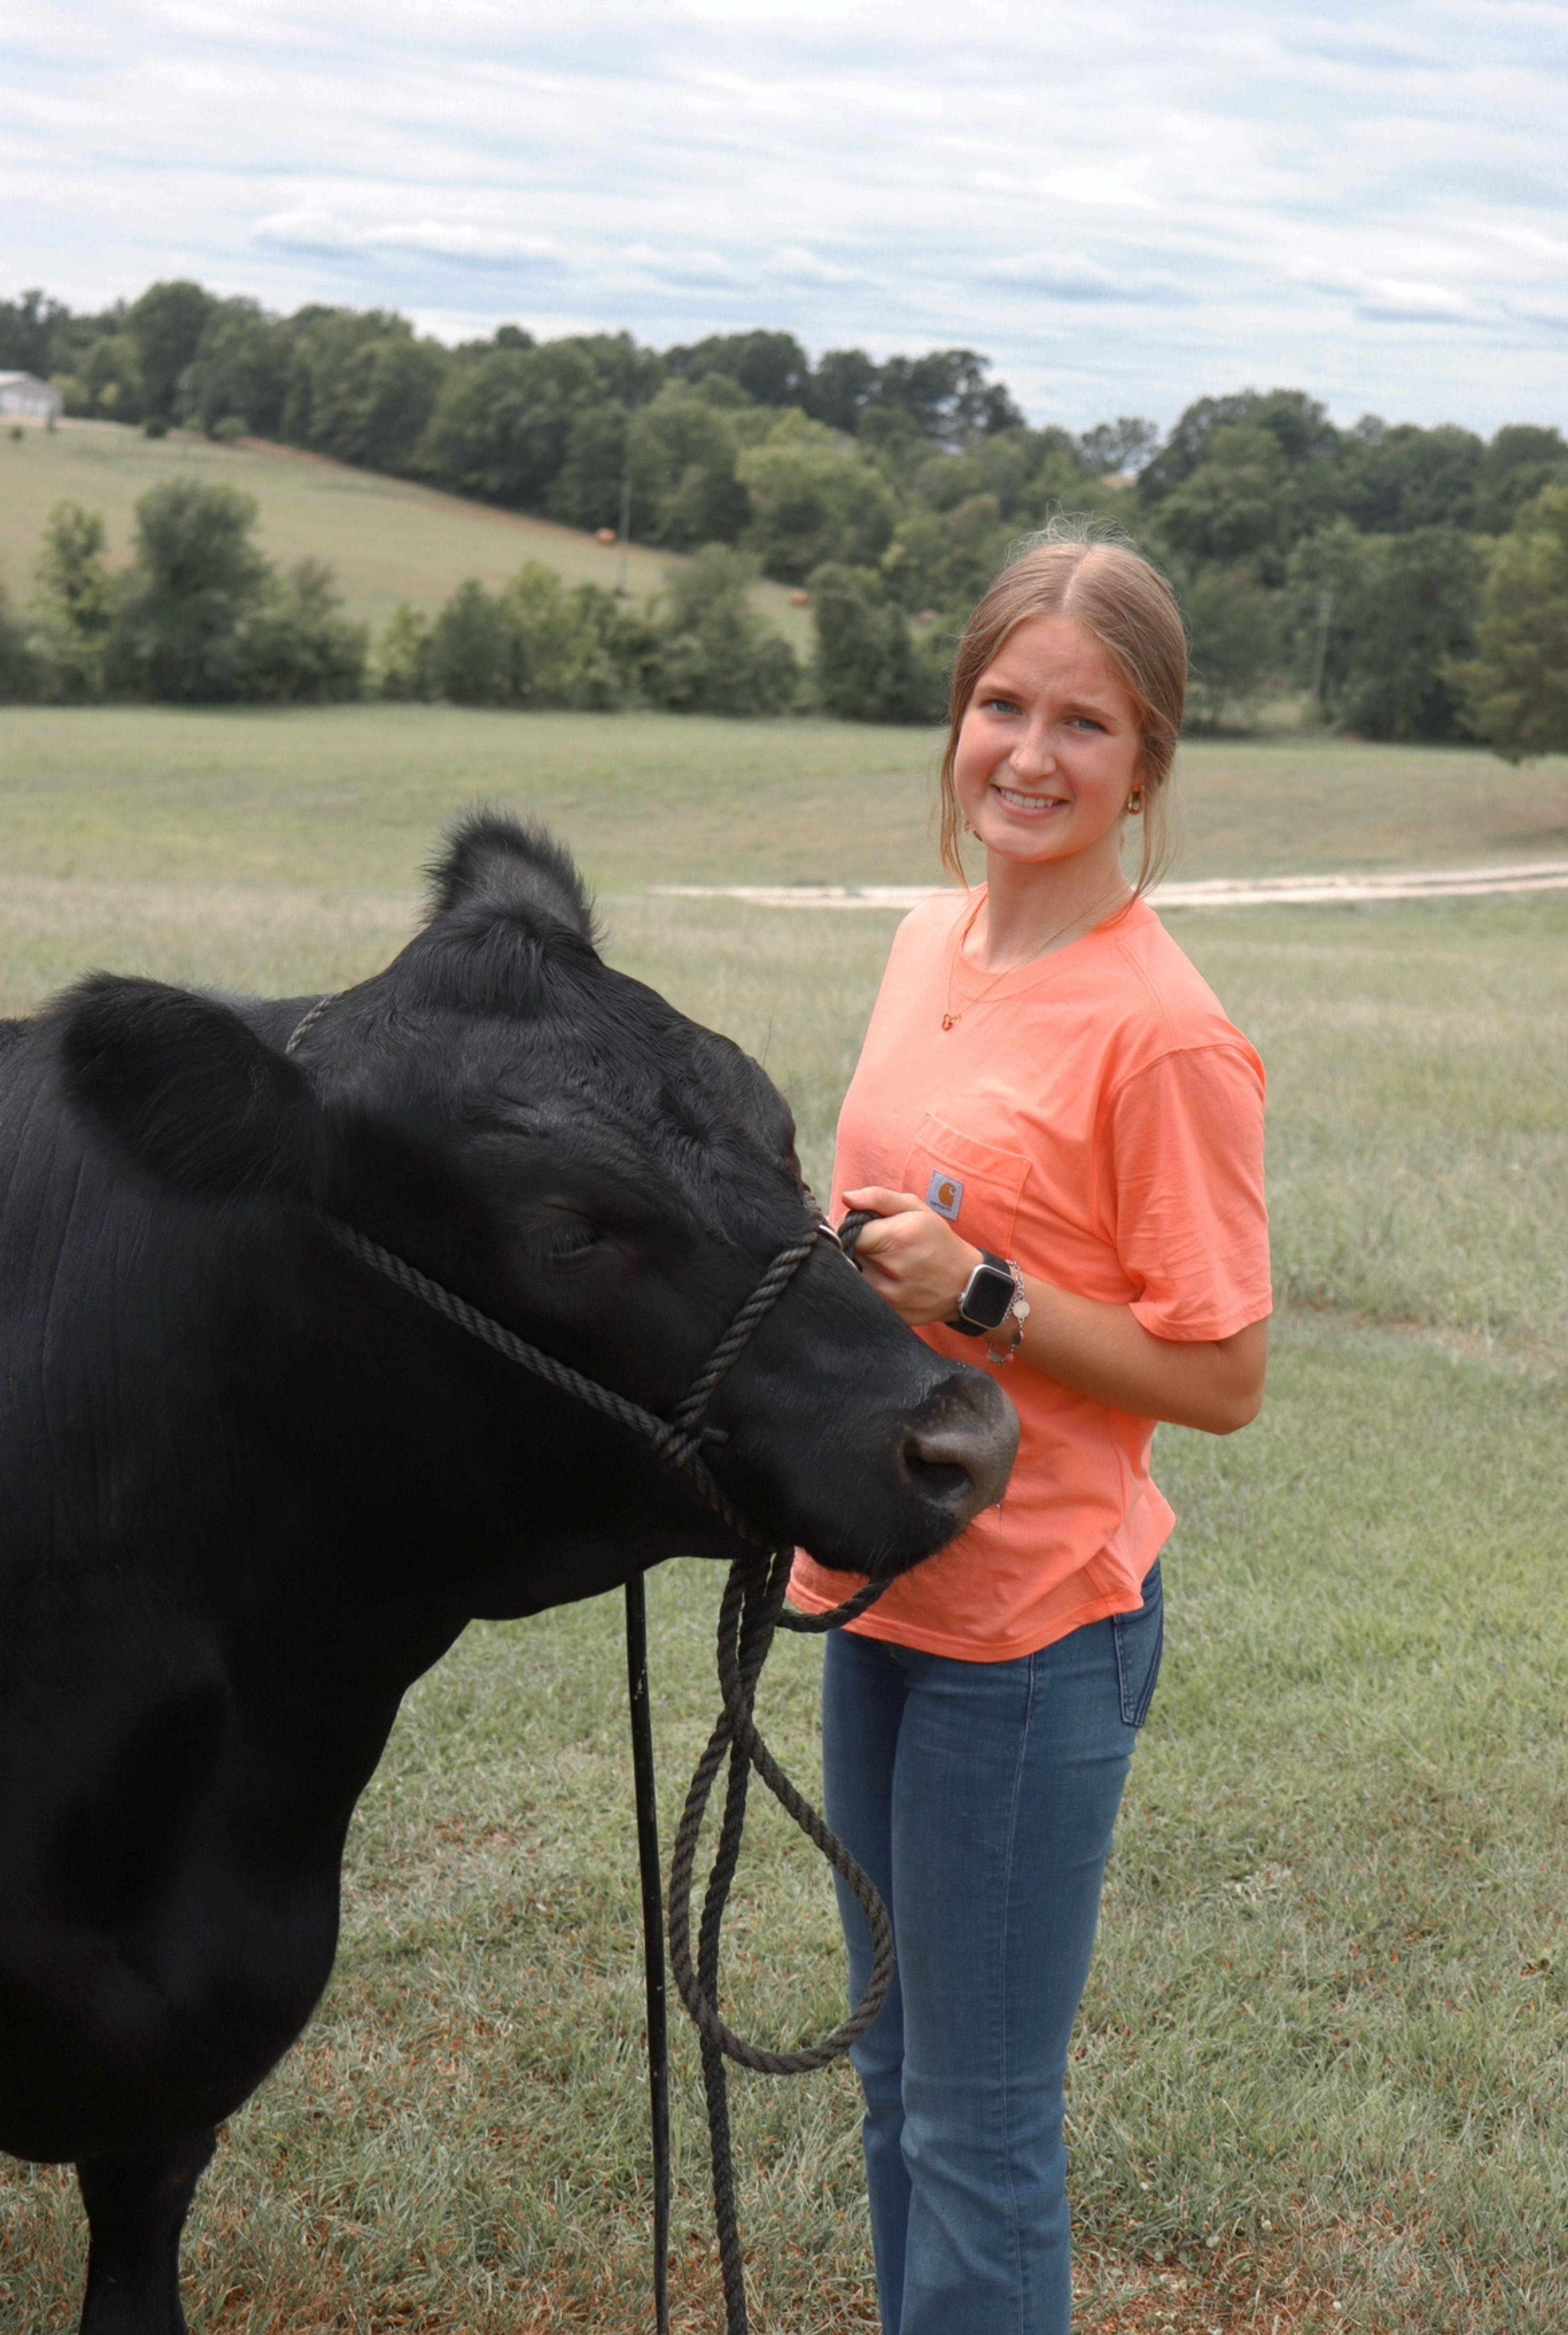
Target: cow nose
959, 1448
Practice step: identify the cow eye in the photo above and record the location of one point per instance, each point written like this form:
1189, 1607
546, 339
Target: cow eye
564, 1240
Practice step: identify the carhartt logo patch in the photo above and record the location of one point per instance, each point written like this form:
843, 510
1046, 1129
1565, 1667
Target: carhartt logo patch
945, 1195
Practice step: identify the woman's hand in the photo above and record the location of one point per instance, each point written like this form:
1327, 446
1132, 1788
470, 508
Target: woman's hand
911, 1255
914, 1259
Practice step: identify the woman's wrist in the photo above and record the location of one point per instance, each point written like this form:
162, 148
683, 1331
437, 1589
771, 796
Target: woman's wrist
991, 1304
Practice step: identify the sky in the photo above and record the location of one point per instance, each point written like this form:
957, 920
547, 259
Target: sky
1124, 205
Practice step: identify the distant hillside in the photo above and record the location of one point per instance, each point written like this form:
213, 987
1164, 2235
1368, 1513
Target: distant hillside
387, 539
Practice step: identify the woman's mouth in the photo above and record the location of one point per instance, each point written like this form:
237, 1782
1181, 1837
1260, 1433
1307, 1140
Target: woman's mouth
1017, 801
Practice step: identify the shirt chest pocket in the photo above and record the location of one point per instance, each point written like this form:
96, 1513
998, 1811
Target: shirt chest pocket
975, 1186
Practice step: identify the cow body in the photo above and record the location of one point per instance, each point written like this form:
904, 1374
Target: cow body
248, 1491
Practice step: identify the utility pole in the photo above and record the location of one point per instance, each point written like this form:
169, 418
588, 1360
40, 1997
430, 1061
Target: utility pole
1321, 649
625, 527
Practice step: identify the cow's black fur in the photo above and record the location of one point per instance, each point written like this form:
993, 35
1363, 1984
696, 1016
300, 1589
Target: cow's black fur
248, 1491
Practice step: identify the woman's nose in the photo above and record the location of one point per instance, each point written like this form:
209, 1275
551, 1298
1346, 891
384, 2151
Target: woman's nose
1034, 753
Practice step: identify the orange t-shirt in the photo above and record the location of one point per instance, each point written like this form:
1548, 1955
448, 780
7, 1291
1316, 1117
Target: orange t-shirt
1095, 1116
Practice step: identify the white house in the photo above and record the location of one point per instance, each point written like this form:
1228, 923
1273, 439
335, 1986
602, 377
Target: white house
25, 398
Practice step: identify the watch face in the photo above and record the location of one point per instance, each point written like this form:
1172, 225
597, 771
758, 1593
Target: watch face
989, 1296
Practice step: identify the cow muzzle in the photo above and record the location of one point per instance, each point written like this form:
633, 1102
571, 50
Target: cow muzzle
957, 1450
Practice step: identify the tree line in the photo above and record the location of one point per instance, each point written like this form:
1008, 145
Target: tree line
1413, 582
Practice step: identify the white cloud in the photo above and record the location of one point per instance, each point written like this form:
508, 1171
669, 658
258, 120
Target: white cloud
1395, 299
801, 266
307, 229
1072, 277
1125, 212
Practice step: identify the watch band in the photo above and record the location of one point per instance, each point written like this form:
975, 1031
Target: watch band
989, 1296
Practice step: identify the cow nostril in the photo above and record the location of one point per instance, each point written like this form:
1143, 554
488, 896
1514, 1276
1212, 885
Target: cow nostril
959, 1455
942, 1480
944, 1461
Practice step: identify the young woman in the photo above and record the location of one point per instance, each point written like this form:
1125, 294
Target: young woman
1059, 1136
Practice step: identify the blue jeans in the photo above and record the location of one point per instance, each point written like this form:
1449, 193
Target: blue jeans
980, 1798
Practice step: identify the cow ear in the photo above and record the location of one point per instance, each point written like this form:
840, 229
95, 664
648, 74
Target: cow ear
513, 870
744, 1090
183, 1086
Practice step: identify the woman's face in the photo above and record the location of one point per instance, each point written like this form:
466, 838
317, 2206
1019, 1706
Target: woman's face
1048, 749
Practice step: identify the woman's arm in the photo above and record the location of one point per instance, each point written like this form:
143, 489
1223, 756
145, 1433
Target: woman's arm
915, 1260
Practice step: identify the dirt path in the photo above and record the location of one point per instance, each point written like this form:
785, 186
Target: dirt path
1216, 892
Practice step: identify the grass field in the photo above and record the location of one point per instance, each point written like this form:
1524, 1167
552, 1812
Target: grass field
388, 539
1321, 2079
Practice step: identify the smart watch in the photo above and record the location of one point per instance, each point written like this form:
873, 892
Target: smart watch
990, 1294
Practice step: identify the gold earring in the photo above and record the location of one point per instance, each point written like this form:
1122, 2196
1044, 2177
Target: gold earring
1135, 803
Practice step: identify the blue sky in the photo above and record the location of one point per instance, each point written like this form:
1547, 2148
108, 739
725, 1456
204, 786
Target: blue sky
1125, 206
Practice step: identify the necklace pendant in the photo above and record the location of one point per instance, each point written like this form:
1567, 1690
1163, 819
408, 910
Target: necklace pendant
948, 1020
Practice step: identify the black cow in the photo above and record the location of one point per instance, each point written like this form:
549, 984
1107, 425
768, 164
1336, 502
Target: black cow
250, 1491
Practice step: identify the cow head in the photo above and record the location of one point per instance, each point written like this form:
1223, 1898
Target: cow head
554, 1141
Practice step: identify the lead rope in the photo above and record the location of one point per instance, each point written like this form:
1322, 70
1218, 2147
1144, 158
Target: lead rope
751, 1613
751, 1610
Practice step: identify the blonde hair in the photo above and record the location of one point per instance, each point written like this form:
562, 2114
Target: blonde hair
1082, 569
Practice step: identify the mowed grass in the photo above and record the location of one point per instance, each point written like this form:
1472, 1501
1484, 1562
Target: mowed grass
388, 539
353, 797
1320, 2079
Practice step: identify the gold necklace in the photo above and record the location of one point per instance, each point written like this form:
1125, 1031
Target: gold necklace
955, 1013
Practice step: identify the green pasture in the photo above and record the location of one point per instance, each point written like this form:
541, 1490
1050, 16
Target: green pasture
352, 795
1322, 2079
387, 539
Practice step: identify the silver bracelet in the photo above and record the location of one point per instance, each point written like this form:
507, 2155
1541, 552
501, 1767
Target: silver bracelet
1018, 1315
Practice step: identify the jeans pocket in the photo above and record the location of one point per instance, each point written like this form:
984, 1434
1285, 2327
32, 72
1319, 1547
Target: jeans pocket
1139, 1644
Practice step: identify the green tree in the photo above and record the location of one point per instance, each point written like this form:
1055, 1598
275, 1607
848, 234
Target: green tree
1395, 614
1242, 502
401, 665
205, 618
110, 381
500, 427
842, 388
532, 644
715, 655
1521, 460
585, 491
239, 374
198, 576
867, 667
165, 326
1308, 442
1394, 480
770, 368
1234, 628
814, 500
473, 653
361, 387
684, 449
946, 560
946, 395
1329, 587
1516, 687
75, 602
575, 648
1124, 444
31, 330
19, 674
1420, 619
299, 645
